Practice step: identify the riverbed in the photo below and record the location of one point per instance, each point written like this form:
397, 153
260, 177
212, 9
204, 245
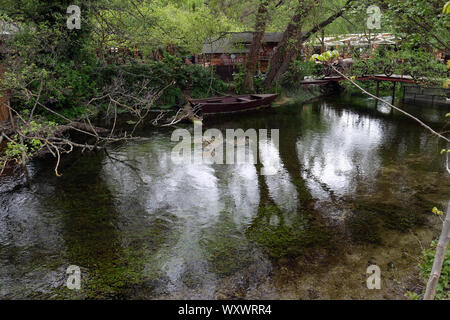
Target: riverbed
355, 186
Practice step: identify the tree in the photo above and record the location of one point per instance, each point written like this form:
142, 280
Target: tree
252, 57
438, 258
155, 24
293, 38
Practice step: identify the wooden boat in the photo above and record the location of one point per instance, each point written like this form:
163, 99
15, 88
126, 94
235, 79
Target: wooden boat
229, 104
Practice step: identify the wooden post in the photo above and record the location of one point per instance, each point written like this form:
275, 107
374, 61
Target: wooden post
438, 258
393, 92
378, 92
404, 92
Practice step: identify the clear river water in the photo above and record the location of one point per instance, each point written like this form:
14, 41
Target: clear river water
355, 187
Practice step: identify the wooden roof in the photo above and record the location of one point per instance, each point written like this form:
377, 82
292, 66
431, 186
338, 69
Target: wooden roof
237, 42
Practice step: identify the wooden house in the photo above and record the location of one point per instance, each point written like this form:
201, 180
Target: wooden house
226, 53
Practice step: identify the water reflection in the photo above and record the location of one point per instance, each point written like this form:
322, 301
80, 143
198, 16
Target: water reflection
342, 155
142, 226
279, 184
30, 242
189, 198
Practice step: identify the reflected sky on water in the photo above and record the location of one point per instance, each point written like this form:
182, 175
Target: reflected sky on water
141, 226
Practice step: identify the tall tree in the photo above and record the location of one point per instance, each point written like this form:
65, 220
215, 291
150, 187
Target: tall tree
293, 38
252, 57
292, 30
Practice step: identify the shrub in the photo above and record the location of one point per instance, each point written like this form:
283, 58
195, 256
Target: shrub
238, 79
160, 73
297, 72
443, 287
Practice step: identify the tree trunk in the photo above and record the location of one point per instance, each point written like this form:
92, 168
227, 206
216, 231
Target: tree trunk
290, 56
4, 99
252, 57
438, 258
4, 109
279, 64
282, 48
322, 41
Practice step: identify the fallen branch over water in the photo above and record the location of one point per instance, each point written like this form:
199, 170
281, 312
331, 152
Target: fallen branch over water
28, 135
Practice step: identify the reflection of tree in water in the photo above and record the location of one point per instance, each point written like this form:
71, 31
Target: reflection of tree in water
280, 232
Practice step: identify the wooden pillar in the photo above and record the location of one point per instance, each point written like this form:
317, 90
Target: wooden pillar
404, 92
393, 92
378, 92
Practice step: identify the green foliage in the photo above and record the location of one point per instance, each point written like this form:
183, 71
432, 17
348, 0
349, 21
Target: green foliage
46, 61
23, 146
418, 63
443, 287
70, 84
161, 73
326, 56
446, 8
420, 23
437, 212
158, 23
297, 72
238, 80
412, 295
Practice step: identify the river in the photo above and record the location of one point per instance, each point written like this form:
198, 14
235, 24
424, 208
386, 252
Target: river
355, 186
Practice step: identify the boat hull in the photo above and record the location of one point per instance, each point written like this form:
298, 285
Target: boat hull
231, 104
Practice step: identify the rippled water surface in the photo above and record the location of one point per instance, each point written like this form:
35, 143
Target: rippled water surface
355, 186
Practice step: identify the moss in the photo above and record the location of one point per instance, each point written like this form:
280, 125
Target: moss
225, 247
364, 227
93, 239
284, 239
369, 218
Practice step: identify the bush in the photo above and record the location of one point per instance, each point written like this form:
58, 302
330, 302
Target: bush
238, 80
160, 73
405, 61
297, 72
443, 288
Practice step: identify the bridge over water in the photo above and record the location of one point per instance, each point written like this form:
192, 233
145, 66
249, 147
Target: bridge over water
379, 77
412, 89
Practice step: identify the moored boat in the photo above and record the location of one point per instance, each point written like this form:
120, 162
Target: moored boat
228, 104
